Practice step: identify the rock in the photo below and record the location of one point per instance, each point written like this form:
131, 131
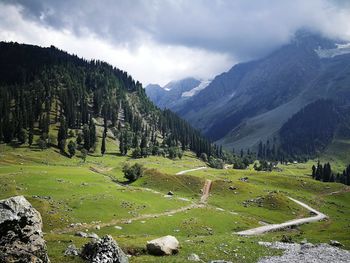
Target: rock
193, 257
286, 239
166, 245
97, 227
220, 261
118, 227
80, 234
244, 179
303, 242
306, 246
104, 250
335, 243
71, 251
93, 235
21, 237
170, 193
232, 188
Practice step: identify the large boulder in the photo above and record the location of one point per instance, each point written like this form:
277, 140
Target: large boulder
104, 250
166, 245
21, 237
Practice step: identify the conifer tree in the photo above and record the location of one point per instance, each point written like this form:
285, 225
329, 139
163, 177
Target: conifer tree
62, 134
103, 145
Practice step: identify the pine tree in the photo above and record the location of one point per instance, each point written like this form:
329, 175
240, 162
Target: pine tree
71, 148
92, 129
313, 171
30, 137
62, 134
103, 146
121, 144
86, 136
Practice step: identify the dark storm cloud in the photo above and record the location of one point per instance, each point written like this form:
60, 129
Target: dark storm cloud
244, 29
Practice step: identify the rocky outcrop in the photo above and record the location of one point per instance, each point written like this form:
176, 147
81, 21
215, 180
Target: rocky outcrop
166, 245
306, 252
104, 250
71, 251
21, 237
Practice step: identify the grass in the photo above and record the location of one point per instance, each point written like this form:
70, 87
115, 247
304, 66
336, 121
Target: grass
67, 190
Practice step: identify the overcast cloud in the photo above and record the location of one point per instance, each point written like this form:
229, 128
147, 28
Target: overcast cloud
160, 40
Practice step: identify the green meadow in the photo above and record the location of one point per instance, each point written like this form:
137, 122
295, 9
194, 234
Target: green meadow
94, 197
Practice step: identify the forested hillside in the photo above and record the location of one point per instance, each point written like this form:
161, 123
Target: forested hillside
42, 88
310, 130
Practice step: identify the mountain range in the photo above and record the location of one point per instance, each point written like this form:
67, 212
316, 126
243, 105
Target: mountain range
174, 94
254, 100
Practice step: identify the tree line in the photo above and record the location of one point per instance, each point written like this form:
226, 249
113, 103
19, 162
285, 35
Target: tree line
324, 173
44, 89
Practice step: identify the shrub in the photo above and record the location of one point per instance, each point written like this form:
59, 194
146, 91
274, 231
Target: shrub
204, 157
216, 163
136, 153
134, 172
71, 148
84, 153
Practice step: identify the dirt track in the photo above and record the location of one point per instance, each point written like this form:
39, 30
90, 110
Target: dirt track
206, 190
191, 170
268, 228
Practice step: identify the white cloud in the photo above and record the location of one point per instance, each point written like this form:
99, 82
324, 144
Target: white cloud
161, 40
149, 62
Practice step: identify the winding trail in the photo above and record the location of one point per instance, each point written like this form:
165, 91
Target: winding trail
268, 228
201, 204
126, 220
191, 170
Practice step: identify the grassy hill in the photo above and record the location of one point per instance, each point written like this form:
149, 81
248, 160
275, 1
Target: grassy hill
68, 191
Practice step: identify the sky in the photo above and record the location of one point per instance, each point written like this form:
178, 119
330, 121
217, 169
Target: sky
157, 41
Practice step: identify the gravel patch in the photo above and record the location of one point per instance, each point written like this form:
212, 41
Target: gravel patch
306, 253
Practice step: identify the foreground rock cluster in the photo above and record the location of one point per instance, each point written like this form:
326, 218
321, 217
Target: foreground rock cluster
104, 250
21, 237
306, 253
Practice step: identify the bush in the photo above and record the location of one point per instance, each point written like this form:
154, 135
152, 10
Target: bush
41, 143
239, 164
22, 136
136, 153
263, 166
204, 157
71, 133
84, 153
180, 154
134, 172
216, 163
71, 148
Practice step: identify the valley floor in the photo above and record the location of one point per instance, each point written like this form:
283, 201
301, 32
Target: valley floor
93, 197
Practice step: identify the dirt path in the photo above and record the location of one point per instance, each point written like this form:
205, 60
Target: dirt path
191, 170
268, 228
201, 204
344, 190
206, 190
126, 220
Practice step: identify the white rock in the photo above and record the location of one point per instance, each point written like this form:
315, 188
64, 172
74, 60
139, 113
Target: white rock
193, 257
166, 245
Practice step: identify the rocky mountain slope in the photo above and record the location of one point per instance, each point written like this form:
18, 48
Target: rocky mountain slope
253, 100
174, 94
